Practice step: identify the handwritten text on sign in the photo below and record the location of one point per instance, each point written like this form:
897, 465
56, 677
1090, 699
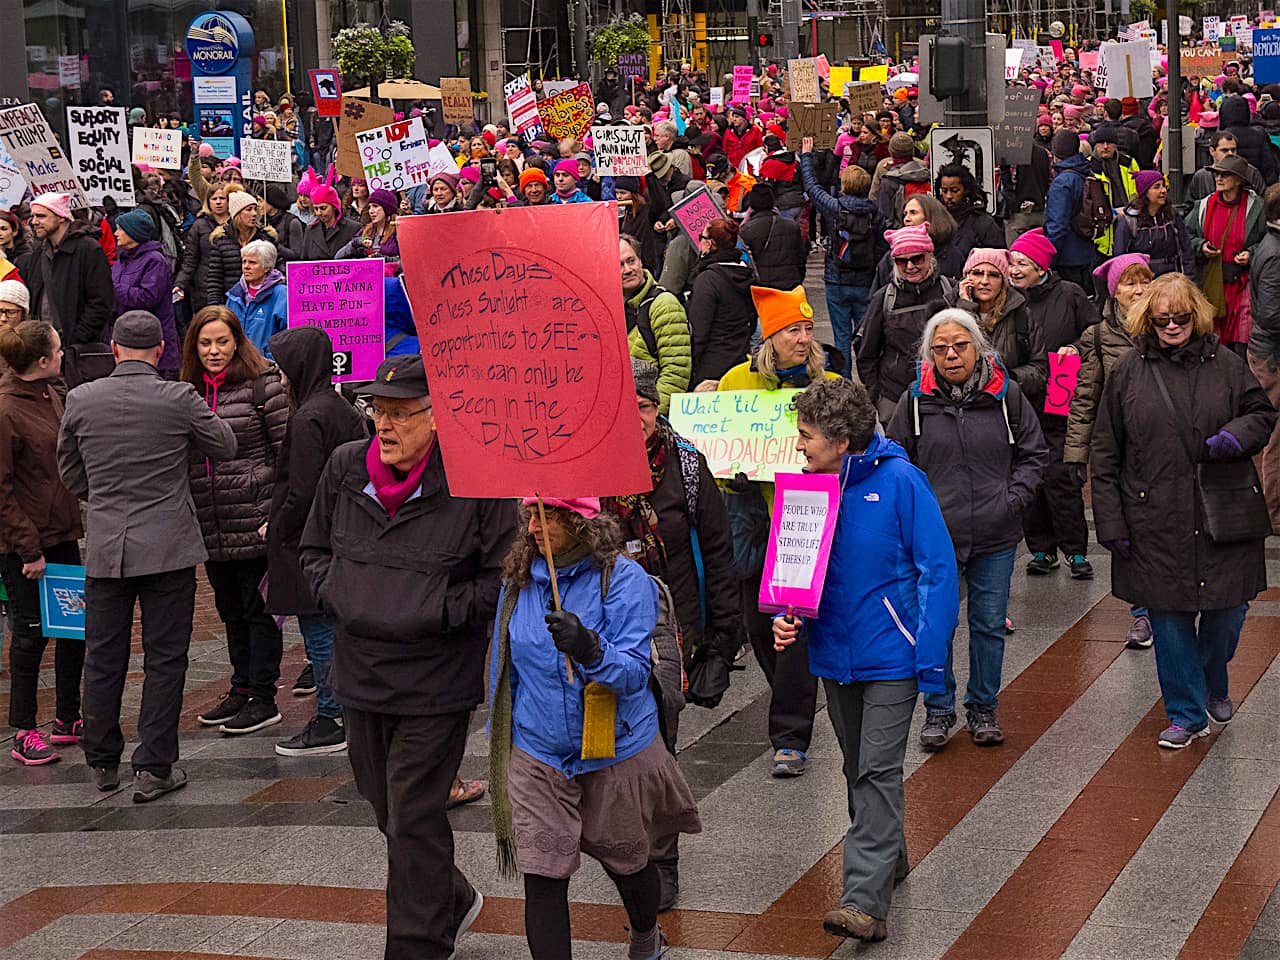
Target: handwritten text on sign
100, 153
568, 114
37, 154
741, 85
741, 431
526, 352
268, 160
395, 157
1064, 373
344, 298
695, 211
805, 507
620, 151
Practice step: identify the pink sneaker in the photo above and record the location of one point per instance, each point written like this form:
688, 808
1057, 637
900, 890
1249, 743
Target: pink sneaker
30, 747
66, 732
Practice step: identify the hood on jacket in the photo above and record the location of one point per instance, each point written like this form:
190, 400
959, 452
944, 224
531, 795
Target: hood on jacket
137, 251
926, 381
913, 171
1233, 112
737, 272
305, 355
1079, 163
270, 280
858, 466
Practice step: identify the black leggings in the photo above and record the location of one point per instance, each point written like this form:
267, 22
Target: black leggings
546, 909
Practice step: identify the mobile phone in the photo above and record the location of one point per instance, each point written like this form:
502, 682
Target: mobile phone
489, 169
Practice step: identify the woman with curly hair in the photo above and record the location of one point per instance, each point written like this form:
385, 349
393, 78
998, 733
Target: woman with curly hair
563, 684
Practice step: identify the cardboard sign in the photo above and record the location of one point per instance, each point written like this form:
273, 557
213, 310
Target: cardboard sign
1015, 134
1266, 56
522, 105
568, 114
741, 85
36, 153
817, 120
620, 151
1200, 62
1128, 69
805, 507
838, 78
455, 99
695, 210
267, 160
525, 346
864, 97
357, 116
741, 431
62, 605
12, 187
878, 74
161, 149
395, 157
552, 87
344, 298
803, 77
1212, 29
973, 147
633, 65
326, 87
99, 142
1064, 372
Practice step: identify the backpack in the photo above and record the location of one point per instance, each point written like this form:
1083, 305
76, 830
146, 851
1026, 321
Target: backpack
854, 240
167, 232
1094, 217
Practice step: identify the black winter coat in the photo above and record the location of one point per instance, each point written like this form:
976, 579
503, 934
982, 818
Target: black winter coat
977, 228
288, 230
722, 316
224, 268
1253, 143
1148, 139
321, 422
319, 243
887, 345
79, 284
193, 274
412, 595
1144, 483
1062, 312
777, 249
233, 497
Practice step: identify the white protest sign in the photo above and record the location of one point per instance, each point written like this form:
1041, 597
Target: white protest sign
1046, 59
1128, 69
522, 104
1212, 29
1012, 60
269, 160
717, 97
803, 78
12, 186
99, 143
1184, 26
161, 149
620, 151
395, 157
440, 160
36, 153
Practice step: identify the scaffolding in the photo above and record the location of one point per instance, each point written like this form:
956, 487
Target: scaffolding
530, 44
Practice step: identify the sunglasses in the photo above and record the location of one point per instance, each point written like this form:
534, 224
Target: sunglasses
912, 261
1172, 320
942, 349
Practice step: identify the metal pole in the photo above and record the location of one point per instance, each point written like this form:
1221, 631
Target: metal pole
968, 19
284, 30
1175, 105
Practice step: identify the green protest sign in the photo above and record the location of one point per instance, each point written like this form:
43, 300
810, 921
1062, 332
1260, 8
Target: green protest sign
741, 431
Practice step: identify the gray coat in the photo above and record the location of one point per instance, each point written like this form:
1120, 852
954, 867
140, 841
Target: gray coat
125, 445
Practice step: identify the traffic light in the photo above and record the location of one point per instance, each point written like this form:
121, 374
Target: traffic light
764, 39
948, 73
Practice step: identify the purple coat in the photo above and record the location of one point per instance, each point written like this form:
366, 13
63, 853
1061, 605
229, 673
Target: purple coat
144, 281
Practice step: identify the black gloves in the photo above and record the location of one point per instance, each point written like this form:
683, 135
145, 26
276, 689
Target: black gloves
571, 637
1079, 473
739, 483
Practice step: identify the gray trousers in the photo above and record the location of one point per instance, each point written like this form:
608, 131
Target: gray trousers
871, 721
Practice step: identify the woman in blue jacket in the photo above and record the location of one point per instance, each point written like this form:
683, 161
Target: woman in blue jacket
882, 633
260, 299
555, 796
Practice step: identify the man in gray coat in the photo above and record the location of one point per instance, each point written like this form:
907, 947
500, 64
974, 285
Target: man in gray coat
125, 447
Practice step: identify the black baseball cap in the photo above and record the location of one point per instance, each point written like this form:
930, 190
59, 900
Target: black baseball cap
401, 377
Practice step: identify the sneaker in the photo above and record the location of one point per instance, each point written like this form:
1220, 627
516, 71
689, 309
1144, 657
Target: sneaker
852, 922
1042, 563
789, 763
147, 786
1139, 635
984, 728
320, 735
254, 715
936, 730
468, 919
1081, 569
66, 732
1008, 625
1175, 737
231, 704
305, 685
1220, 710
106, 779
30, 747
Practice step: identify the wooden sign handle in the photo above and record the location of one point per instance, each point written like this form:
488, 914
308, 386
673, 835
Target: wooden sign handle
555, 585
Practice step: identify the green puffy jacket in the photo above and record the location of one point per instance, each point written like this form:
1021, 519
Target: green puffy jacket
671, 332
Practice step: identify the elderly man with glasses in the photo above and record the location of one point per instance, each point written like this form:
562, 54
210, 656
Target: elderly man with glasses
411, 575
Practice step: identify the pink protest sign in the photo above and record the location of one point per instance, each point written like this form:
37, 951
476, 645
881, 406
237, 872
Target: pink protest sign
344, 298
741, 85
1057, 49
824, 66
1064, 371
1088, 60
695, 211
805, 506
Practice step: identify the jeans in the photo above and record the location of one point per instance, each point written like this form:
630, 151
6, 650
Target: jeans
987, 580
26, 651
317, 637
1191, 663
254, 642
846, 305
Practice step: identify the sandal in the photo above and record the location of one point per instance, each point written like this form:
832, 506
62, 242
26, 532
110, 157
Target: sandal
464, 792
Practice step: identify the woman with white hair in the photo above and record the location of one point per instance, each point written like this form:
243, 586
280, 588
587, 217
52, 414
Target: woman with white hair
966, 423
259, 299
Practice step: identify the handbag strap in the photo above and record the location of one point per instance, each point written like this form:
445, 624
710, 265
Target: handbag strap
1226, 232
1173, 414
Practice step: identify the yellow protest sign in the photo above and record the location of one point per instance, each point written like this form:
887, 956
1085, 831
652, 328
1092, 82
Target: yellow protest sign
741, 431
839, 77
878, 74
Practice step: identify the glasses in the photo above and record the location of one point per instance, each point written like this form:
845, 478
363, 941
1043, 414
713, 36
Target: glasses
398, 418
706, 237
912, 261
11, 313
941, 350
1172, 320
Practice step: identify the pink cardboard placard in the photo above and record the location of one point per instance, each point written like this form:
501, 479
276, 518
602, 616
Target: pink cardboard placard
741, 85
805, 506
1064, 372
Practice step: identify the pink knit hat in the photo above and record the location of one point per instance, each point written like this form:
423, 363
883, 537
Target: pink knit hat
59, 204
567, 165
989, 255
587, 507
471, 174
325, 194
909, 240
1080, 90
1209, 120
1113, 268
1072, 112
1036, 247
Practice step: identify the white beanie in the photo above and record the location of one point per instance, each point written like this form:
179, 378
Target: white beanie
15, 292
239, 200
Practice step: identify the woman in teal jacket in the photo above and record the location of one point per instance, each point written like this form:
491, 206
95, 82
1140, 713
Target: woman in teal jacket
889, 604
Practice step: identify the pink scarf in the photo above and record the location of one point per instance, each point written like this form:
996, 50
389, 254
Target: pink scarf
392, 493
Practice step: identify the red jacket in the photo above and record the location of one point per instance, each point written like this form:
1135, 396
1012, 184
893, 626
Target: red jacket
738, 146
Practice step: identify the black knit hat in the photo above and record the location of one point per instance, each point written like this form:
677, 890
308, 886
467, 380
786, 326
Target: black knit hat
1066, 143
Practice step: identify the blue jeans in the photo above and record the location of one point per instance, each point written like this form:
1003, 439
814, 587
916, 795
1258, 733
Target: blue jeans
987, 580
317, 637
1191, 663
845, 306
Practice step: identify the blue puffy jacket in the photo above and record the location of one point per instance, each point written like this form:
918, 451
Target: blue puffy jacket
266, 314
546, 709
892, 596
1066, 193
399, 318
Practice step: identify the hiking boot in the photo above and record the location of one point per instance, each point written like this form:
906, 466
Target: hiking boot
30, 747
230, 705
1175, 737
984, 728
852, 922
1139, 635
648, 946
468, 919
254, 715
305, 685
320, 735
1042, 563
66, 732
147, 786
789, 763
1220, 710
936, 730
106, 779
1081, 569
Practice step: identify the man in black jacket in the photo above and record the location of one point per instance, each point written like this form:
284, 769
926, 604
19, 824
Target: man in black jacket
411, 575
776, 243
67, 273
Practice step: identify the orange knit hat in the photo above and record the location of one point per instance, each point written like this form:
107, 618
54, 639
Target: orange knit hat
779, 309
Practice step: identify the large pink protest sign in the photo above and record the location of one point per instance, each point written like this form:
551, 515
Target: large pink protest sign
1064, 373
805, 506
741, 85
695, 211
344, 298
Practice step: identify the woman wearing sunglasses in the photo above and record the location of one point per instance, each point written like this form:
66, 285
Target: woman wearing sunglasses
1175, 403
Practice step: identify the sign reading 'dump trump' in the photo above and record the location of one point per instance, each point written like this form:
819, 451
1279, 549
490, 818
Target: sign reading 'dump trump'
525, 350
